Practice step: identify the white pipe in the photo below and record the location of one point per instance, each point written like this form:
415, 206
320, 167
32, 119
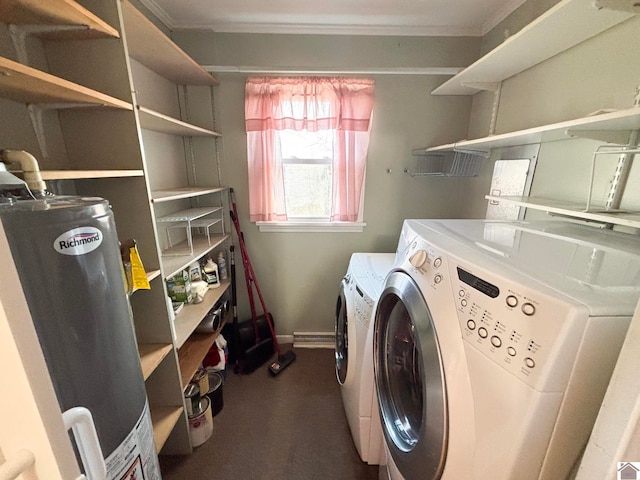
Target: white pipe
80, 421
29, 166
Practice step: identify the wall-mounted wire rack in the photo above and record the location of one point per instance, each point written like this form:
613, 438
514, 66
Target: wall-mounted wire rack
455, 163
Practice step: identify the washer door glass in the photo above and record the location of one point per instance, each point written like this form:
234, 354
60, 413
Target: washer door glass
342, 340
410, 379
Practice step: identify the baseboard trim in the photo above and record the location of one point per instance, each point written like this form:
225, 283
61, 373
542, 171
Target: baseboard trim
313, 339
285, 338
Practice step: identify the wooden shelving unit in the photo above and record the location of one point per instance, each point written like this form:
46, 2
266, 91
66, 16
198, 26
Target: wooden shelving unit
152, 48
193, 351
91, 131
24, 84
56, 13
192, 314
153, 274
86, 174
164, 419
178, 258
151, 355
159, 122
563, 26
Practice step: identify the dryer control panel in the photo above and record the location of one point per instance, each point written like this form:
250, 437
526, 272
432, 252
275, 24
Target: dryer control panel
529, 332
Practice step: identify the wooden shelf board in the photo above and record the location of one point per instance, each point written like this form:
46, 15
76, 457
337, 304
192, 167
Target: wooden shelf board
618, 121
168, 195
56, 12
572, 209
86, 174
27, 85
193, 352
173, 264
159, 122
152, 274
151, 355
151, 47
163, 420
192, 314
563, 26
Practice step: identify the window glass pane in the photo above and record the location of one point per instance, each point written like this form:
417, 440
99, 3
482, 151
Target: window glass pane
307, 189
304, 144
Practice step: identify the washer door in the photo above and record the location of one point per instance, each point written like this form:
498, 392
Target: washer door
342, 338
410, 380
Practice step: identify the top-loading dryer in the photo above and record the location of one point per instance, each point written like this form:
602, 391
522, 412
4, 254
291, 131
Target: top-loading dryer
495, 342
359, 291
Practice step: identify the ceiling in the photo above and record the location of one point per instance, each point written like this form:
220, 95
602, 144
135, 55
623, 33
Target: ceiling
359, 17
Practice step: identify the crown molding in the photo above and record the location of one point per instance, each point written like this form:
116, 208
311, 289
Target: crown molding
500, 15
315, 29
333, 70
377, 30
159, 12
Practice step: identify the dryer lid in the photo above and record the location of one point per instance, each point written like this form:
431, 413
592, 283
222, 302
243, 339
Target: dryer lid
599, 268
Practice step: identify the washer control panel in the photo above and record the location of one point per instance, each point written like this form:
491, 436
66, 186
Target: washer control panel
529, 333
427, 262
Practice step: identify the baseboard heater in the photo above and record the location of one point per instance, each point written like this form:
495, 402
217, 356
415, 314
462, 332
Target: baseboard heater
314, 339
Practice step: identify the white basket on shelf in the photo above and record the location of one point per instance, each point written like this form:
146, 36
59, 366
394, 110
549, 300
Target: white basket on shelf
458, 163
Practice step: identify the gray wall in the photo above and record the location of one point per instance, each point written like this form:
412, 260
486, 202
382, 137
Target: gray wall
299, 273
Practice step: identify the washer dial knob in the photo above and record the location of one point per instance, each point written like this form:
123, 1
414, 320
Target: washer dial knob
418, 258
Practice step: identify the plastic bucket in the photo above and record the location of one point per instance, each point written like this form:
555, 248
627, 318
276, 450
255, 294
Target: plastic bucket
201, 423
216, 382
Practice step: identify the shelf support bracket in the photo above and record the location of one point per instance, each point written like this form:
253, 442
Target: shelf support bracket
496, 88
37, 120
626, 155
621, 176
617, 137
19, 35
36, 113
483, 86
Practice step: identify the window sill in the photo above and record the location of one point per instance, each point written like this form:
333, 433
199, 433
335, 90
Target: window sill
303, 227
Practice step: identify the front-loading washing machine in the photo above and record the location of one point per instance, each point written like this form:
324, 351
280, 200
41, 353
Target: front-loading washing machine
494, 343
359, 291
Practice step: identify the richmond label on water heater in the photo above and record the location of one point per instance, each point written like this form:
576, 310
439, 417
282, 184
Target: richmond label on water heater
78, 241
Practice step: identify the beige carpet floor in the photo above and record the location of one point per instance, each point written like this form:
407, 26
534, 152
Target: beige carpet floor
291, 426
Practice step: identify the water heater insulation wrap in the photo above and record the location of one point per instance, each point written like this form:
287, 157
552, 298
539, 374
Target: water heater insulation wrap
67, 254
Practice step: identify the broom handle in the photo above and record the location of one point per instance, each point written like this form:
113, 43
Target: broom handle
245, 264
243, 250
234, 306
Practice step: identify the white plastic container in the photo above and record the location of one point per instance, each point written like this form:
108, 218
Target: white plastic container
211, 273
195, 274
222, 266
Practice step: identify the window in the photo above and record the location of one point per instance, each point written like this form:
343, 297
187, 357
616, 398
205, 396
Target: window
307, 163
307, 142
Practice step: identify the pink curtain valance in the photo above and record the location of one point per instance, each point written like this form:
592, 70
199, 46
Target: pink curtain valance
308, 103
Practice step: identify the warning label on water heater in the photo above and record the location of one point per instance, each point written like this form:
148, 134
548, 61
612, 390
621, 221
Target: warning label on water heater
78, 241
135, 458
